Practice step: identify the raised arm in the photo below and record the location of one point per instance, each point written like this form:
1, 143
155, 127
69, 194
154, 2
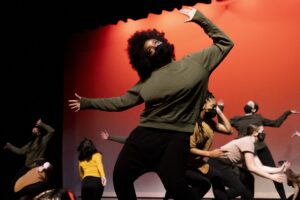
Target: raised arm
49, 130
225, 126
222, 44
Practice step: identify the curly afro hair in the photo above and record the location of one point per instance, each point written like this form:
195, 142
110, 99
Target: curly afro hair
139, 60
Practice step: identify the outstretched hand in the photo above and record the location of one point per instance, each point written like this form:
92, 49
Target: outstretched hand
190, 12
280, 178
104, 135
38, 122
75, 103
295, 112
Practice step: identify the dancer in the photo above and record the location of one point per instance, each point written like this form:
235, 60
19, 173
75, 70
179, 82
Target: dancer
242, 152
240, 123
91, 171
173, 92
34, 150
199, 174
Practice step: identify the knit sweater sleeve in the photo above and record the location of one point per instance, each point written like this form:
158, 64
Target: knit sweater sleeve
16, 150
49, 131
211, 57
130, 99
116, 138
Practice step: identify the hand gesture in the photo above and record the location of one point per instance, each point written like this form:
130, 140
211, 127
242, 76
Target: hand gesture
75, 103
217, 153
286, 165
38, 122
104, 135
280, 178
103, 181
294, 112
6, 145
297, 133
190, 12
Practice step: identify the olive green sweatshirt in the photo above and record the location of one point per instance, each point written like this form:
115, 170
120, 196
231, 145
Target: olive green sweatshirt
173, 93
36, 148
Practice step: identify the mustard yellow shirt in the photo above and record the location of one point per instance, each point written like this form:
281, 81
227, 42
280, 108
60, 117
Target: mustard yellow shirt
93, 167
201, 139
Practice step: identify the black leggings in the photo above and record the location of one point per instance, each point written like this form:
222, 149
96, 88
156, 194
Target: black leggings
162, 151
201, 183
91, 188
266, 158
231, 179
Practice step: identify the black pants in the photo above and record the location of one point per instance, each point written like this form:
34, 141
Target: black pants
231, 179
161, 151
266, 158
91, 188
248, 180
199, 183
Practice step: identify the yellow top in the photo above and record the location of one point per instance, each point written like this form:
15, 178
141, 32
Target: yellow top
93, 167
202, 139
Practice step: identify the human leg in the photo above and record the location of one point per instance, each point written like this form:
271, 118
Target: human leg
216, 180
91, 188
267, 159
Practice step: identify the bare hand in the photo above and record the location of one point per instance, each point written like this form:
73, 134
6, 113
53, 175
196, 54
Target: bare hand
75, 103
294, 112
38, 122
190, 12
217, 153
280, 178
6, 145
286, 165
103, 181
104, 135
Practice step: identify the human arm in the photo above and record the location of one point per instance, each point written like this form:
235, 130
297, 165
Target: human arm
106, 136
130, 99
49, 130
271, 170
277, 122
80, 171
98, 158
225, 126
216, 153
16, 150
252, 167
222, 44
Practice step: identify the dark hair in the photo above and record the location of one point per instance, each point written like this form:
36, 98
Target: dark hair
86, 150
247, 108
138, 57
209, 95
251, 128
